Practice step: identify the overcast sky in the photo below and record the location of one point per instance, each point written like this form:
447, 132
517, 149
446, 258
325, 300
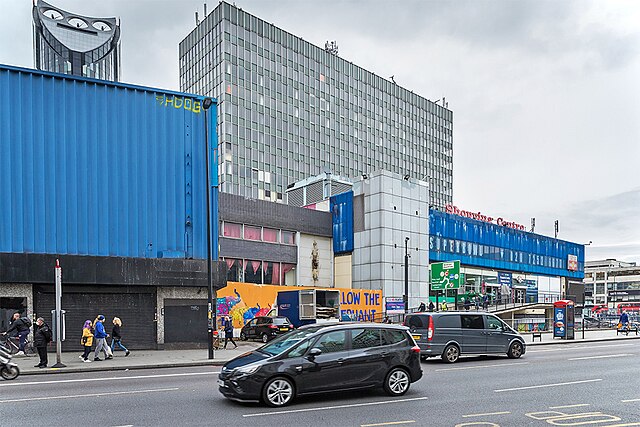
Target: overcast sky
545, 94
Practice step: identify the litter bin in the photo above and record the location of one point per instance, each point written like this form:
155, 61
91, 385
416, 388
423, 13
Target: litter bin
563, 319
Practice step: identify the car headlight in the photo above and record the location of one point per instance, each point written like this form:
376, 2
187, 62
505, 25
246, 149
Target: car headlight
247, 369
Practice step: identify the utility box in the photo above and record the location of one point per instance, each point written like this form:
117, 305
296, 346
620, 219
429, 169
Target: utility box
564, 319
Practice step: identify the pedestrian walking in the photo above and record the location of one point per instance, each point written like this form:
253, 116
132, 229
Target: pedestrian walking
444, 307
41, 338
228, 332
467, 304
386, 320
422, 307
431, 306
101, 339
116, 336
19, 327
86, 341
485, 302
476, 302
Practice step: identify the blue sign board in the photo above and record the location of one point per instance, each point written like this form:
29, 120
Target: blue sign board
484, 244
394, 305
532, 290
341, 206
504, 278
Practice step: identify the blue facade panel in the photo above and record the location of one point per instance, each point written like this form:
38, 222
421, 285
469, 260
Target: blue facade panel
89, 167
483, 244
341, 206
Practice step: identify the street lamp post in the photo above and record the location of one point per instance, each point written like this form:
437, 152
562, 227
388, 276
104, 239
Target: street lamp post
206, 104
406, 274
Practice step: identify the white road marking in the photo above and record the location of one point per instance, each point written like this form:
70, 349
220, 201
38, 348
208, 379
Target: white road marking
325, 408
82, 380
486, 414
578, 348
480, 366
31, 399
569, 406
547, 385
630, 400
390, 423
605, 356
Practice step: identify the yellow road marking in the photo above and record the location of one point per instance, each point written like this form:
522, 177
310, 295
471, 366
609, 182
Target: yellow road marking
486, 414
569, 406
390, 423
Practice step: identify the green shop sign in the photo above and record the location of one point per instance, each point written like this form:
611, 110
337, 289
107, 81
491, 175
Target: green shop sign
445, 275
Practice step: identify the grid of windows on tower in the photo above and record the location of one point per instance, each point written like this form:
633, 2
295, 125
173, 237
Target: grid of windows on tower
289, 110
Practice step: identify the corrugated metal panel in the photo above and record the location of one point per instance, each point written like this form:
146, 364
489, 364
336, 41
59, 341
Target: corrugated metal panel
91, 167
483, 244
342, 211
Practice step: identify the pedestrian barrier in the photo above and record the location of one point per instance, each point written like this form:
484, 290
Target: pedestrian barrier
535, 335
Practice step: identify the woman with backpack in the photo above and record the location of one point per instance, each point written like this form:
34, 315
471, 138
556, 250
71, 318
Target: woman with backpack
116, 336
101, 340
87, 341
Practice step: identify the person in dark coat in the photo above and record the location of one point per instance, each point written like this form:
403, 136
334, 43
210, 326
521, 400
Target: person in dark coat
41, 338
422, 307
228, 332
19, 328
116, 336
431, 306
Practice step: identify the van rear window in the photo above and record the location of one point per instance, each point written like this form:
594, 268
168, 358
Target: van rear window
418, 322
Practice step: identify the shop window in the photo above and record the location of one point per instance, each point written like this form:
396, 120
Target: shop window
288, 274
270, 235
232, 230
253, 271
288, 237
252, 233
234, 270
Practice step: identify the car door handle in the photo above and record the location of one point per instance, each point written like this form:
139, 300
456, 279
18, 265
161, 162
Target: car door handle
298, 368
340, 361
384, 354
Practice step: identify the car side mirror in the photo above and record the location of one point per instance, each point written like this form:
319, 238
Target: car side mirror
313, 353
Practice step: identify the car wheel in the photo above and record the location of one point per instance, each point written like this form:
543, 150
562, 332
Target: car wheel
451, 353
243, 336
397, 382
278, 392
515, 350
265, 338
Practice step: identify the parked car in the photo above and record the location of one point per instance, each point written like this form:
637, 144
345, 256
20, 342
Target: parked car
451, 334
265, 328
324, 358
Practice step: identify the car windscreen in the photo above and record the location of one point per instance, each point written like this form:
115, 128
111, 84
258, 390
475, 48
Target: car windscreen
281, 321
286, 341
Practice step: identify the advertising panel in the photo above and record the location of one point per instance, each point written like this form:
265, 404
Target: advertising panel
244, 301
394, 305
445, 275
572, 263
559, 326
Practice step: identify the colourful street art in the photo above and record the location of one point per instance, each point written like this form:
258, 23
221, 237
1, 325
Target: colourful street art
243, 301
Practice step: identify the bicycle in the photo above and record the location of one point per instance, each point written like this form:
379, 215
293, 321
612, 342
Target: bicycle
12, 344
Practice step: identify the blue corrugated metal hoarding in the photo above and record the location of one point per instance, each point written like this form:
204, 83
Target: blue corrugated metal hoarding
341, 206
90, 167
483, 244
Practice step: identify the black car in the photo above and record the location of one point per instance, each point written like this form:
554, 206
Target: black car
317, 359
265, 328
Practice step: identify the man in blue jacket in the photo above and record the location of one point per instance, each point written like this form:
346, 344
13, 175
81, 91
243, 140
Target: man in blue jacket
624, 319
100, 335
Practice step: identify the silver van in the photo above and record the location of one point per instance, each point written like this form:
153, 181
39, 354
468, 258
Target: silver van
451, 334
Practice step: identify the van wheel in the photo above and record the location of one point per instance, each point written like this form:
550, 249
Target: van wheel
451, 354
243, 336
278, 392
265, 338
397, 382
515, 350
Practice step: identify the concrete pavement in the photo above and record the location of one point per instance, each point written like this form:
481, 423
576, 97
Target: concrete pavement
147, 359
138, 359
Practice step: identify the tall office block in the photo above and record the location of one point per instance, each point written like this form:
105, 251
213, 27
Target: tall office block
290, 110
68, 43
